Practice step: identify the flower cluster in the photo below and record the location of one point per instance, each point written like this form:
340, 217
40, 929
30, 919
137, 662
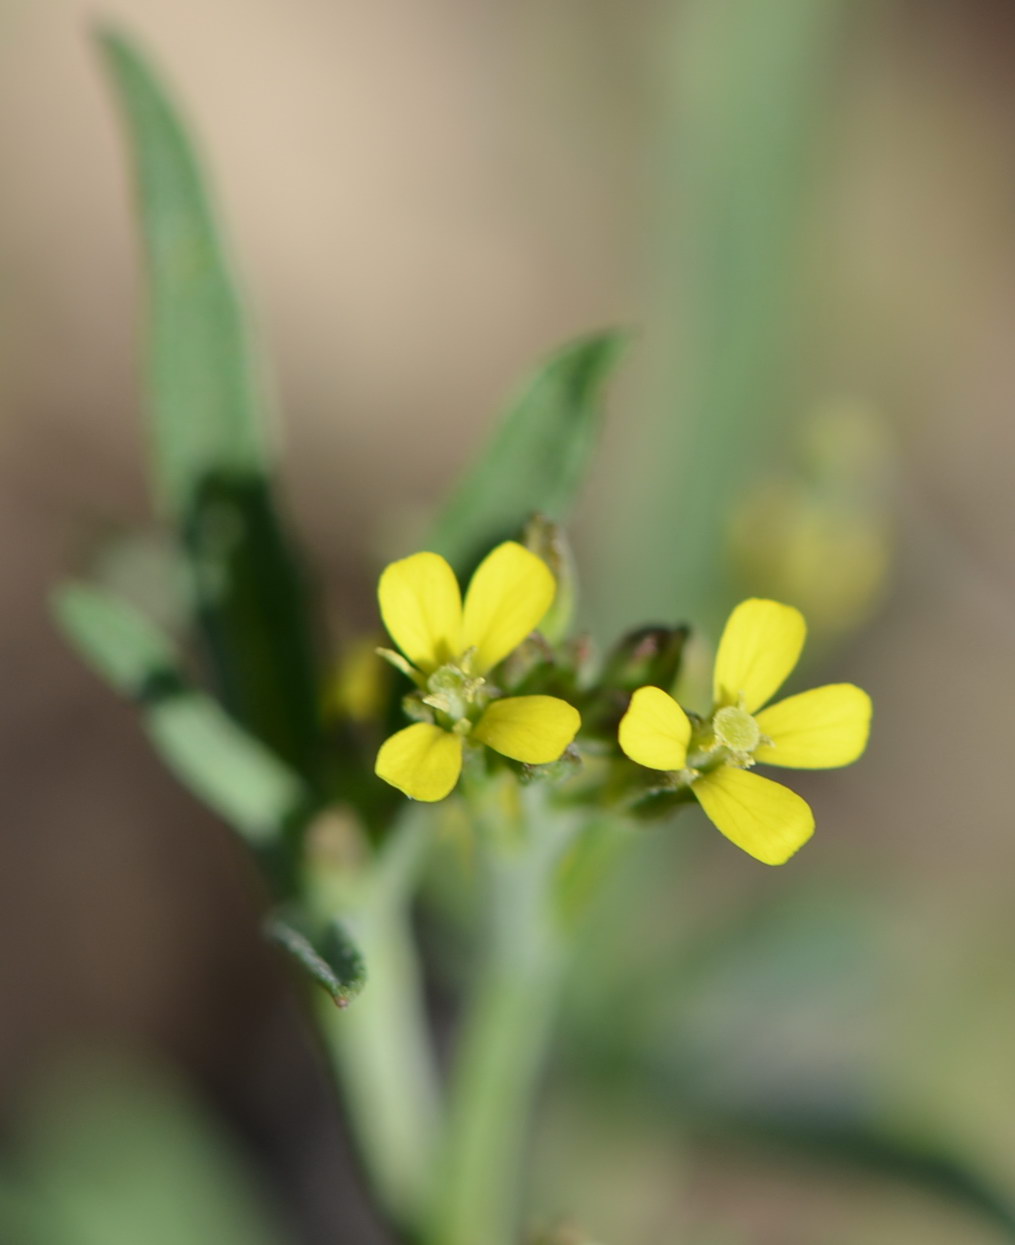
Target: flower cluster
450, 648
455, 653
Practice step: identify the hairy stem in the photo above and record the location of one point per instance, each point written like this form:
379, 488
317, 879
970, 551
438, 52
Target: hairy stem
505, 1029
380, 1045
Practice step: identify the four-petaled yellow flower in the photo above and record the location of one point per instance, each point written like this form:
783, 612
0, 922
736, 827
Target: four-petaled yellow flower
820, 729
450, 649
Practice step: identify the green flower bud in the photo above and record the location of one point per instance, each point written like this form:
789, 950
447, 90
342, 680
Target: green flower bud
650, 656
547, 540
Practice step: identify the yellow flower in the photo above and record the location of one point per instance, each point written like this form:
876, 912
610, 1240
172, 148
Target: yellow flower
820, 729
450, 648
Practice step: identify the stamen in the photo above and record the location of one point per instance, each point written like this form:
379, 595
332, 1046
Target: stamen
453, 692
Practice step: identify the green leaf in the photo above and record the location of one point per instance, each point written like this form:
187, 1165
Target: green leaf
116, 641
212, 462
537, 457
228, 770
836, 1140
332, 959
750, 92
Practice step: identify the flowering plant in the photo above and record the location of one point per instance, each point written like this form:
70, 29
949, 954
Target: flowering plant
509, 734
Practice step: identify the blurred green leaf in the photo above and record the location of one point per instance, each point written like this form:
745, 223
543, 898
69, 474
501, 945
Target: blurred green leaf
111, 1154
856, 1144
227, 769
332, 959
212, 462
751, 87
536, 458
117, 641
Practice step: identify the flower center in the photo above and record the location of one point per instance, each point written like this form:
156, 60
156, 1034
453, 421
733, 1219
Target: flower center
736, 729
454, 693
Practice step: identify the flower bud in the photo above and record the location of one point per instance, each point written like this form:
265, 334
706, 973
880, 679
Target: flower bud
547, 540
648, 656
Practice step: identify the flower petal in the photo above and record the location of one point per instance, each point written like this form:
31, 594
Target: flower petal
759, 647
533, 729
509, 594
763, 817
655, 731
422, 760
422, 609
820, 729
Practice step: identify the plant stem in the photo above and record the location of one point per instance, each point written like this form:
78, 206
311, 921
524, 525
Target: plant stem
505, 1030
380, 1045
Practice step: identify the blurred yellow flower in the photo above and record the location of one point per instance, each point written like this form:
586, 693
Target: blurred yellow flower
449, 648
820, 729
359, 685
819, 533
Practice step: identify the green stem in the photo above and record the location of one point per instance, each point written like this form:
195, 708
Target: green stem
380, 1045
505, 1031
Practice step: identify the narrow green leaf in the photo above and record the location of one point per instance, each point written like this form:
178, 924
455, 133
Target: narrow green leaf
332, 960
208, 412
212, 463
847, 1143
536, 458
116, 641
227, 769
751, 87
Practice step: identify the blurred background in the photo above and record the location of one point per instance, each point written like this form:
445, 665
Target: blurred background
804, 213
